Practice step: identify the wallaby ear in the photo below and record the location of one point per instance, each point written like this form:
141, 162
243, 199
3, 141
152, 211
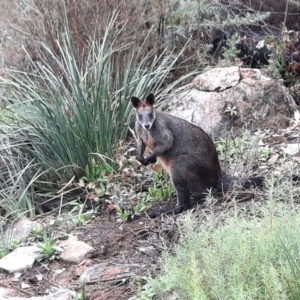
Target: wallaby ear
150, 99
135, 101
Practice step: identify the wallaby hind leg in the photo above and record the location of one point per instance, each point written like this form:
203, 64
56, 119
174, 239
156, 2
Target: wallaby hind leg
183, 192
183, 197
183, 200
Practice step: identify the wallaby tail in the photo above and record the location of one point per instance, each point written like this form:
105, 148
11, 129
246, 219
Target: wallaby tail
227, 181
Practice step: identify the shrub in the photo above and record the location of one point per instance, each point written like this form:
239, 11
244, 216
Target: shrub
241, 259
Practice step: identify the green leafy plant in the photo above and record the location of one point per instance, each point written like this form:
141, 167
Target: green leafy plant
49, 250
14, 244
242, 259
80, 217
36, 233
146, 292
231, 111
162, 187
97, 176
124, 215
233, 148
141, 204
82, 295
69, 111
264, 153
95, 172
158, 194
8, 246
230, 52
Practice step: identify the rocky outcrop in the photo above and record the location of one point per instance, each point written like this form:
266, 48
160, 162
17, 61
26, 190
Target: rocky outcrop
233, 97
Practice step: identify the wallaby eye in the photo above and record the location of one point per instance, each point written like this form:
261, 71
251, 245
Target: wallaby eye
140, 117
151, 115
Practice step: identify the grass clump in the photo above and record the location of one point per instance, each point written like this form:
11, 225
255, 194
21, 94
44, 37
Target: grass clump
64, 116
242, 259
65, 113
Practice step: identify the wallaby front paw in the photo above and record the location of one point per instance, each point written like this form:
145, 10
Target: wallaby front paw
147, 161
152, 160
143, 161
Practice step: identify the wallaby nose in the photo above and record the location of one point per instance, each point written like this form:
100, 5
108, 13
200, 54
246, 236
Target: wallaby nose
147, 126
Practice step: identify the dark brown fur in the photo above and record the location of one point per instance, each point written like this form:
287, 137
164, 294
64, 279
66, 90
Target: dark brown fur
186, 152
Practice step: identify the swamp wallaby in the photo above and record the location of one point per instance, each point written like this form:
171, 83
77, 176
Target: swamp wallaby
186, 152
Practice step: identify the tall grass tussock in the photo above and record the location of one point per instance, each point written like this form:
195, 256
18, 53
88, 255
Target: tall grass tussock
62, 114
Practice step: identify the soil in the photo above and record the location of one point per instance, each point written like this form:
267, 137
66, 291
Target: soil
135, 245
118, 244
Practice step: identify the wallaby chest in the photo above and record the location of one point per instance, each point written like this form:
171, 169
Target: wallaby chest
147, 139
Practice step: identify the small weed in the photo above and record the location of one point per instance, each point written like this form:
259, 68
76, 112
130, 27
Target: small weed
158, 194
81, 295
264, 153
146, 293
9, 246
80, 218
240, 149
233, 148
97, 177
230, 53
36, 233
4, 251
162, 187
5, 242
141, 205
49, 250
14, 244
231, 111
221, 146
124, 214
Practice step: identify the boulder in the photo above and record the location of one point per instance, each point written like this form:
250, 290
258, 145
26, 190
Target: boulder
74, 251
20, 259
225, 98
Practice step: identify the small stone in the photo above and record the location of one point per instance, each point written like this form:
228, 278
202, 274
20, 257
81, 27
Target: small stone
4, 293
291, 149
106, 272
59, 295
20, 230
74, 251
24, 285
273, 159
20, 259
59, 271
150, 250
39, 277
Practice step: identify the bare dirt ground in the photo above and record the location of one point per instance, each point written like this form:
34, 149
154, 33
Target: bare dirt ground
128, 249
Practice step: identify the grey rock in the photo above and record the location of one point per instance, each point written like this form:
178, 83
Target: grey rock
62, 294
20, 259
74, 251
106, 272
217, 80
291, 149
149, 250
6, 292
254, 100
19, 231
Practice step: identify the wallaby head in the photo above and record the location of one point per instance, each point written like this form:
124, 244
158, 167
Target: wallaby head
145, 111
